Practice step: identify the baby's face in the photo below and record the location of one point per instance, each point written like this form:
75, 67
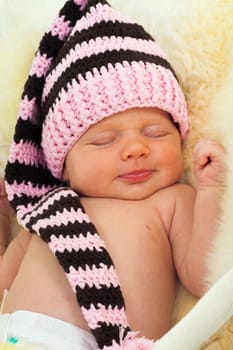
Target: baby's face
129, 155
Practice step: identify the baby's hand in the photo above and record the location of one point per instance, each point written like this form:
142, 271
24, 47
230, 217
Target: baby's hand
209, 164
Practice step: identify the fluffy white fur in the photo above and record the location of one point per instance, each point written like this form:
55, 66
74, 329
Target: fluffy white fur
197, 36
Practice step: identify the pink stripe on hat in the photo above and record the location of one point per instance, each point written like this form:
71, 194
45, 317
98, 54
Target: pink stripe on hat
60, 27
81, 242
100, 45
26, 153
26, 189
27, 108
63, 218
109, 315
131, 342
97, 14
93, 276
43, 206
40, 65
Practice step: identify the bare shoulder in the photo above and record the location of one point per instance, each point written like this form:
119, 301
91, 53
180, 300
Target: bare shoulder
182, 190
183, 195
174, 193
171, 201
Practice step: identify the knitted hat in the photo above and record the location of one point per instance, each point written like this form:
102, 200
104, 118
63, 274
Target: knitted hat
107, 65
91, 63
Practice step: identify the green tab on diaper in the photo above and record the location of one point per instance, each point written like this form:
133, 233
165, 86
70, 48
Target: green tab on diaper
12, 340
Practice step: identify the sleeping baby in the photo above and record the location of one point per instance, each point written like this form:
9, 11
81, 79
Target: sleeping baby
95, 173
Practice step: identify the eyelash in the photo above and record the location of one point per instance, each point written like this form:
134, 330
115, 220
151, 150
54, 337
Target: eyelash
147, 132
103, 141
155, 133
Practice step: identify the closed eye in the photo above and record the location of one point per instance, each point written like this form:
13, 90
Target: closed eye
103, 139
155, 131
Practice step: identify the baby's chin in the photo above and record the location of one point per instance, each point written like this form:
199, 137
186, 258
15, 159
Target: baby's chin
135, 192
137, 195
128, 197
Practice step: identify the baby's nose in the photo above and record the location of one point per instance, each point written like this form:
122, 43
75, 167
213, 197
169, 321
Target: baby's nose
135, 148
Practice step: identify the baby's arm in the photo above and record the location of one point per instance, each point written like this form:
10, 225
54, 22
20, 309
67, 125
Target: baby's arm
4, 218
11, 256
209, 168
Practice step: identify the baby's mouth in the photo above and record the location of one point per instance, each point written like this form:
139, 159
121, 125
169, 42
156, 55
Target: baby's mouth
136, 176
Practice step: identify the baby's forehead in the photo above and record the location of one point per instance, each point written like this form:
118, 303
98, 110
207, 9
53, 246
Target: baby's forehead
134, 116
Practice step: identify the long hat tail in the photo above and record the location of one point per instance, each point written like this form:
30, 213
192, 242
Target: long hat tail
46, 207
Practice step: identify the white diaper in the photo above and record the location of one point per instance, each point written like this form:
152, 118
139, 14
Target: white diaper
47, 332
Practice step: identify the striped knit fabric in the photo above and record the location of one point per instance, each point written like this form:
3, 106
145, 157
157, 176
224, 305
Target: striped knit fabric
91, 63
107, 65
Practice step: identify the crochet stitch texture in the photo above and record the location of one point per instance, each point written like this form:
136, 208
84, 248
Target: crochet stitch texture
91, 63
